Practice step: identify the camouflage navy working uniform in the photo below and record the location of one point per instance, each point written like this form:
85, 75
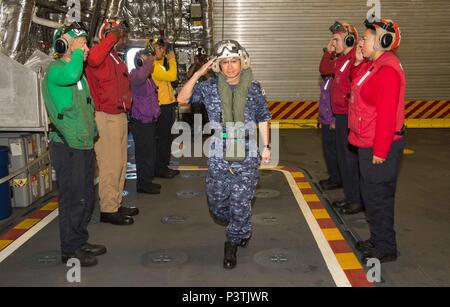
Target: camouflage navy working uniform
230, 186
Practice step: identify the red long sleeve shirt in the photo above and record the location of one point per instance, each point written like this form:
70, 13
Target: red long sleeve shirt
327, 64
383, 91
108, 78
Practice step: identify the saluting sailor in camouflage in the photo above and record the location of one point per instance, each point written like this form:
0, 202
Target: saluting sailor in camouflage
230, 186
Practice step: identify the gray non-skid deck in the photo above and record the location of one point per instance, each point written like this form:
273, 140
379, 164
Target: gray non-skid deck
174, 242
422, 225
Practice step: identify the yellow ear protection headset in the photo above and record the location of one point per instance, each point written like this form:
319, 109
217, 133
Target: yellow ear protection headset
61, 42
388, 34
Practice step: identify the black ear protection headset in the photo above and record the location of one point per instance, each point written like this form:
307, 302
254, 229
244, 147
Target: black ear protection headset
61, 44
349, 39
386, 39
138, 61
149, 50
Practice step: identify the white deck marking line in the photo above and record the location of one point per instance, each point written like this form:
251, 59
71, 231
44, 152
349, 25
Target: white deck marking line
331, 261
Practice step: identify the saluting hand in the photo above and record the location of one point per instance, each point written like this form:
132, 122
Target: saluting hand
330, 46
204, 69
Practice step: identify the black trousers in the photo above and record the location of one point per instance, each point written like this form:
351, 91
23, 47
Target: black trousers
75, 176
347, 157
144, 136
164, 136
329, 152
378, 184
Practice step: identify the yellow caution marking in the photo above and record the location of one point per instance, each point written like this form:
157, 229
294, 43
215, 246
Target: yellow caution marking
27, 223
50, 206
299, 109
320, 214
277, 107
20, 182
332, 234
348, 261
297, 174
286, 111
311, 197
45, 172
304, 185
4, 243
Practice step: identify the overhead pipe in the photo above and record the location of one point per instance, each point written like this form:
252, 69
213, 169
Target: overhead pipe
207, 23
45, 22
95, 19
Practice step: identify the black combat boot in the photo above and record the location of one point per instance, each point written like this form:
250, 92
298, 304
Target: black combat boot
229, 260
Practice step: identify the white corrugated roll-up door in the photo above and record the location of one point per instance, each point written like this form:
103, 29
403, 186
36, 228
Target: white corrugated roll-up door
285, 41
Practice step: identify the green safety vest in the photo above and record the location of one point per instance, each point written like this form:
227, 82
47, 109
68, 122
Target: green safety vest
74, 125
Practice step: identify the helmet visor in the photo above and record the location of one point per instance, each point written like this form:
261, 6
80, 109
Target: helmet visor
221, 49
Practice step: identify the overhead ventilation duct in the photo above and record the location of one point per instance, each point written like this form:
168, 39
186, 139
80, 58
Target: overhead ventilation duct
115, 8
15, 21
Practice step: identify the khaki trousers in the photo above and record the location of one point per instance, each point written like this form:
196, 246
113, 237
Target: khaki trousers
111, 150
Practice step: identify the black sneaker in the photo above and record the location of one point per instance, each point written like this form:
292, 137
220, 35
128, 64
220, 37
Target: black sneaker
130, 211
85, 258
94, 249
116, 218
